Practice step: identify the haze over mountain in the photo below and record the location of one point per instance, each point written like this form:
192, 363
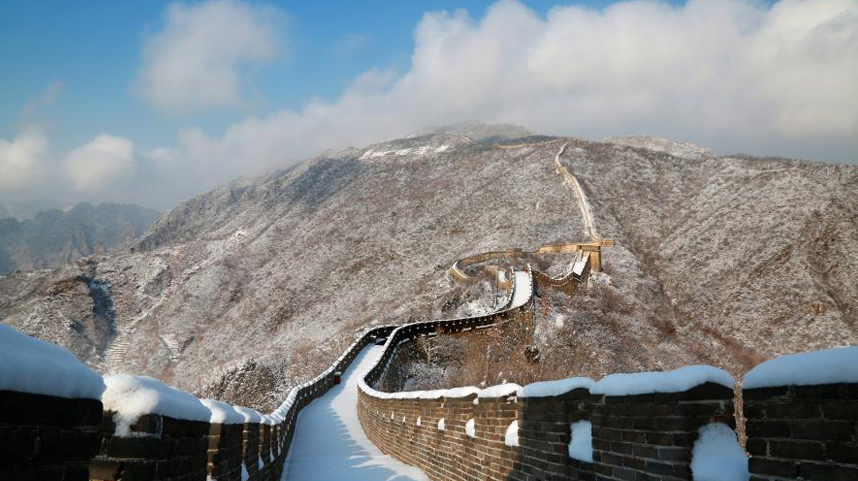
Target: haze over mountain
55, 237
720, 260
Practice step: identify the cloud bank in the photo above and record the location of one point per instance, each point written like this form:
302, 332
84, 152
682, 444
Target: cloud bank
199, 58
734, 75
92, 166
22, 160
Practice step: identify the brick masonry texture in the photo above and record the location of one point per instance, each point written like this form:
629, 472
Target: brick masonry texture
634, 437
44, 438
807, 432
47, 437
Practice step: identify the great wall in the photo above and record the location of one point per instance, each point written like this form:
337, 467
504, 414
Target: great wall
644, 426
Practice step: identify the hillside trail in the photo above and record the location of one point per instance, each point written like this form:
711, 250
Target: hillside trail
330, 444
581, 197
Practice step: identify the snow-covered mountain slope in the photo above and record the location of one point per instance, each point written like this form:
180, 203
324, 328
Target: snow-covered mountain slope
54, 237
235, 292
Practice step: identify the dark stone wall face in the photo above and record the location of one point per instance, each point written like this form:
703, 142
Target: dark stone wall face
47, 437
170, 449
643, 437
803, 431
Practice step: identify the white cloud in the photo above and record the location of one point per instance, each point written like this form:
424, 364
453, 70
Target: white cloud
93, 166
199, 58
735, 75
22, 160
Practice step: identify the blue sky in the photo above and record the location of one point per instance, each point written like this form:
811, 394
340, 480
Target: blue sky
152, 102
93, 48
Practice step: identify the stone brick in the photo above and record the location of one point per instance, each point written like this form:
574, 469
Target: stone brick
18, 445
821, 391
784, 469
828, 472
842, 453
764, 393
767, 429
794, 410
824, 431
846, 410
67, 445
757, 447
26, 409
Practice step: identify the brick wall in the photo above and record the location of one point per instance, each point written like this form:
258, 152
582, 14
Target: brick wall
803, 431
164, 448
651, 436
639, 437
46, 437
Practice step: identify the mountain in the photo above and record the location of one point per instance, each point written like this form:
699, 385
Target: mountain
55, 237
243, 291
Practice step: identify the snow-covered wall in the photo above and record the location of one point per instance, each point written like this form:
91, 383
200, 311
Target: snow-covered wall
650, 435
648, 419
802, 416
54, 426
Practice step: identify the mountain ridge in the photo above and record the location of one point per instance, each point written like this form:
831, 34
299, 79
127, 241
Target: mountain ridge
242, 282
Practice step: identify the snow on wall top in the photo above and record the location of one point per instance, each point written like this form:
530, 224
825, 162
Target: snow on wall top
817, 367
34, 366
556, 388
678, 380
222, 412
523, 289
133, 396
501, 390
580, 263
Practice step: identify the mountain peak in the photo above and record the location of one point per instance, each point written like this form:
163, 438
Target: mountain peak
477, 131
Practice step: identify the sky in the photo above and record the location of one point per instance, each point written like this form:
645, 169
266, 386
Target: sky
154, 102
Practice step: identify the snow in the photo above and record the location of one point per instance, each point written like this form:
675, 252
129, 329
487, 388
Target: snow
460, 392
422, 150
511, 436
244, 474
501, 390
259, 463
34, 366
470, 428
329, 443
678, 380
828, 366
523, 289
556, 388
717, 455
249, 415
580, 263
441, 424
572, 182
419, 419
581, 445
133, 396
222, 413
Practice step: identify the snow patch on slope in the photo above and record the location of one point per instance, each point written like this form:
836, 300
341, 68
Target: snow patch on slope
422, 150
